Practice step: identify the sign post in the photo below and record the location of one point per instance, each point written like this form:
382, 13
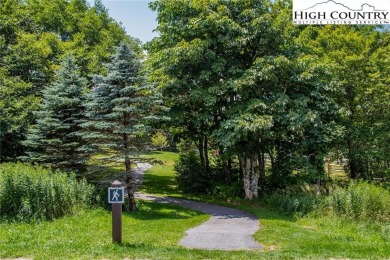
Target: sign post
116, 196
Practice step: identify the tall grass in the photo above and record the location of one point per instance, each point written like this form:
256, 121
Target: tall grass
32, 192
297, 202
359, 201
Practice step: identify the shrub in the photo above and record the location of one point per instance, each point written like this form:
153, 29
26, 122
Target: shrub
32, 192
289, 202
235, 190
185, 146
360, 201
190, 176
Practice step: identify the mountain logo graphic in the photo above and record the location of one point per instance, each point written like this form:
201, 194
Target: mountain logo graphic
321, 4
347, 12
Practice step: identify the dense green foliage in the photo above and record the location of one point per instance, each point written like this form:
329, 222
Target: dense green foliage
34, 37
263, 102
355, 57
251, 96
120, 108
359, 201
290, 203
190, 176
34, 193
244, 83
16, 106
159, 140
271, 100
55, 140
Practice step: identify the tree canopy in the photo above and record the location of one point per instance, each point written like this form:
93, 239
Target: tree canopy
241, 78
34, 37
264, 102
121, 108
55, 140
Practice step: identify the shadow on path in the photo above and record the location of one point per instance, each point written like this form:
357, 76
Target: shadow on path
227, 229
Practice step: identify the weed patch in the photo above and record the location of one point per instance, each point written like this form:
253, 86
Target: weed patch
33, 193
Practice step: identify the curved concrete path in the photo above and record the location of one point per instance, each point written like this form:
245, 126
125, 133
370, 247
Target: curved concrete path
227, 229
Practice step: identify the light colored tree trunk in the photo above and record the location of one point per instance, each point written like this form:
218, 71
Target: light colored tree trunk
250, 168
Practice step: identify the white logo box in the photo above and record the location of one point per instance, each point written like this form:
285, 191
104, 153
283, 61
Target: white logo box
371, 12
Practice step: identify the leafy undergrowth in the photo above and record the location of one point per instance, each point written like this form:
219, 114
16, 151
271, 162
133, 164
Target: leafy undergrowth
30, 193
358, 201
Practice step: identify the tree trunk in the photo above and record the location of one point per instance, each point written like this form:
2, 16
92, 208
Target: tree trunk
271, 156
329, 168
206, 155
352, 164
226, 166
353, 161
127, 164
250, 167
201, 152
130, 185
241, 171
367, 169
229, 171
263, 180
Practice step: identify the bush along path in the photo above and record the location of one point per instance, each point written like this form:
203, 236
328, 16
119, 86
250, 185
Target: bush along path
227, 229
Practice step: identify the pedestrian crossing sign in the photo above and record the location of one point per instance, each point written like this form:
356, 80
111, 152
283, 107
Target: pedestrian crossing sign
116, 195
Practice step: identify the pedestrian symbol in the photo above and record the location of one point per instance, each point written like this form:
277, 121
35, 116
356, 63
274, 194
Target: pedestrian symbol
116, 195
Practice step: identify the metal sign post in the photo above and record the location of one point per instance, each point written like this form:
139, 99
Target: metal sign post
116, 196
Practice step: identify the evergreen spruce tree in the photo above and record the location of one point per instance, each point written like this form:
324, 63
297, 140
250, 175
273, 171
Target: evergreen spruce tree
120, 108
55, 140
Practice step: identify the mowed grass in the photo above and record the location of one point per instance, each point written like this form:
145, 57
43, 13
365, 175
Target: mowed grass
155, 230
287, 237
147, 233
160, 178
320, 238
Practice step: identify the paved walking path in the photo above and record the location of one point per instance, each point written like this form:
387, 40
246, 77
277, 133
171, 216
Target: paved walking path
227, 229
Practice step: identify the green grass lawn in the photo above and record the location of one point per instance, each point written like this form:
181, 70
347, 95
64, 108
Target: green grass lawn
155, 230
286, 237
160, 178
320, 238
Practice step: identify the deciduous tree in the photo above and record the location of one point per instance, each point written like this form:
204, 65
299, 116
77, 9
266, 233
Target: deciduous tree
159, 140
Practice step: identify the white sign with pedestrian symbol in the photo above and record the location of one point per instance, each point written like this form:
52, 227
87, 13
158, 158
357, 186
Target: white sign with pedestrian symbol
116, 195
